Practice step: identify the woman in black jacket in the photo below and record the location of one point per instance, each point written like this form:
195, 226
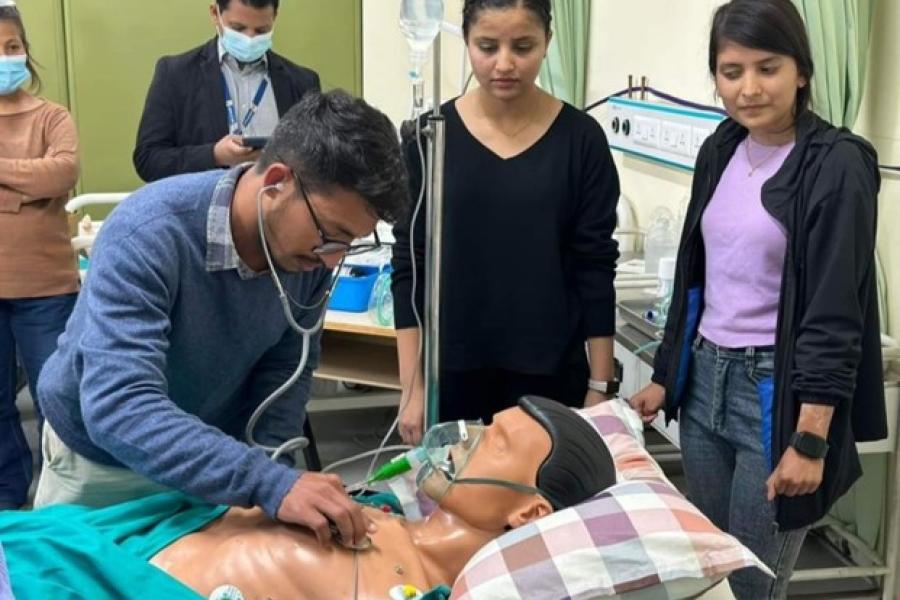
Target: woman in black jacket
771, 357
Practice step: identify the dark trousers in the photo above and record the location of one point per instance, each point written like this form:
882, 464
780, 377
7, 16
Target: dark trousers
29, 326
479, 393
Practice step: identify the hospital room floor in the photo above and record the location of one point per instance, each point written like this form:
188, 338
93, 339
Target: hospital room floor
343, 433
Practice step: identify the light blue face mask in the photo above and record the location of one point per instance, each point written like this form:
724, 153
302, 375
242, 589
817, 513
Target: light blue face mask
13, 73
243, 47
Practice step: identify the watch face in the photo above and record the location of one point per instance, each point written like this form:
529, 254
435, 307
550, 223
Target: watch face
809, 445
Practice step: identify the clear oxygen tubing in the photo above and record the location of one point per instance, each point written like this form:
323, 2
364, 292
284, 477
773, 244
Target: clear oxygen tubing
305, 333
436, 133
301, 441
417, 370
367, 480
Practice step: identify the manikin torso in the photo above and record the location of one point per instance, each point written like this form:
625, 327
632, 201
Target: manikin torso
266, 559
269, 560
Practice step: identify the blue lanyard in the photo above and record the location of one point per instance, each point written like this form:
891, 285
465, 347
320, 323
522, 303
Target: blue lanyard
251, 112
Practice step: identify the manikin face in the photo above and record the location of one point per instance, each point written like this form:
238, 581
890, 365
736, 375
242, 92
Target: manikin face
511, 449
290, 223
243, 18
506, 48
758, 87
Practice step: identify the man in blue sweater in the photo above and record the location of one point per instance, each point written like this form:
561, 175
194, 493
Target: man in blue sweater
179, 334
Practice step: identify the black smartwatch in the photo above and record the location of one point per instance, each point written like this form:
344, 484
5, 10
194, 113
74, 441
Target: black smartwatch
809, 444
604, 387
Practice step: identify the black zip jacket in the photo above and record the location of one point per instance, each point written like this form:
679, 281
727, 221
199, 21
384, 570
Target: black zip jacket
828, 348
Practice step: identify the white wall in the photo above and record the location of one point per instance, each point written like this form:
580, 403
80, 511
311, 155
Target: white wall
879, 122
666, 42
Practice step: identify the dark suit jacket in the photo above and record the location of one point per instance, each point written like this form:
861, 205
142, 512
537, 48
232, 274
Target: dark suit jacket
184, 115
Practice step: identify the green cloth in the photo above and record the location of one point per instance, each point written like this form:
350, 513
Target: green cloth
839, 34
564, 72
441, 592
380, 500
73, 552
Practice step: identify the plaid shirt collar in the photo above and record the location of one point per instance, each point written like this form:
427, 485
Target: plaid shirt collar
221, 254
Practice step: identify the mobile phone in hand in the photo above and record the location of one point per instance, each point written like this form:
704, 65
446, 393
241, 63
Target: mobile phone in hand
255, 142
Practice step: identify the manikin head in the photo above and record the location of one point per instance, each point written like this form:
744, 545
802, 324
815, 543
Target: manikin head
532, 460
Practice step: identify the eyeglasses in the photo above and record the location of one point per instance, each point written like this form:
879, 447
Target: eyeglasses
330, 245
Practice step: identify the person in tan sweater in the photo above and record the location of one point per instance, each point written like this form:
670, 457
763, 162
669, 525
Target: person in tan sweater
38, 273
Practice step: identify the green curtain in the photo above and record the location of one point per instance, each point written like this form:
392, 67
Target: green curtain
564, 72
839, 32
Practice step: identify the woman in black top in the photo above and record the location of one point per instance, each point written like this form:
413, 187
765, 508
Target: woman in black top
528, 259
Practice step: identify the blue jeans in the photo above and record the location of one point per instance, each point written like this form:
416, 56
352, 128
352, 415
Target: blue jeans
725, 463
30, 326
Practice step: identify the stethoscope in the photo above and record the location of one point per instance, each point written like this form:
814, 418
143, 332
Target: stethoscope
306, 334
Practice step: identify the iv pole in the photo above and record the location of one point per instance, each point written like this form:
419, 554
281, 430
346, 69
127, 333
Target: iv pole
433, 238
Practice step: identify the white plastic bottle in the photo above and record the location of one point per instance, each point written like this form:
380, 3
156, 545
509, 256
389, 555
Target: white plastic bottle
666, 287
660, 241
420, 21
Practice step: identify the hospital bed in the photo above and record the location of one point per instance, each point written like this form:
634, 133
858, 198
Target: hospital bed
638, 539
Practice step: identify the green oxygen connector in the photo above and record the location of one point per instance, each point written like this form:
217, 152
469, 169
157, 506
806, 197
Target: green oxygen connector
399, 465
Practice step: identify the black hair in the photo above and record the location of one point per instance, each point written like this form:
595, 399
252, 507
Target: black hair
473, 8
335, 139
11, 13
579, 465
224, 4
771, 25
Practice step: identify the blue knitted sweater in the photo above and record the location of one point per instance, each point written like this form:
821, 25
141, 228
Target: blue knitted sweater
167, 352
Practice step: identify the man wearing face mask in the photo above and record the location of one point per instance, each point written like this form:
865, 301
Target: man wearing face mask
204, 103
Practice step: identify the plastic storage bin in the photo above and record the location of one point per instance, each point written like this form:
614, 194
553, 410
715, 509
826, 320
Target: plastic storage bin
352, 292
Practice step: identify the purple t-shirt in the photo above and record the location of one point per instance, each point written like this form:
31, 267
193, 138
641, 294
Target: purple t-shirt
745, 248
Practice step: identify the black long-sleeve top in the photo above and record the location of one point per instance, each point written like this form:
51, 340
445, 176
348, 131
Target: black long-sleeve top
528, 254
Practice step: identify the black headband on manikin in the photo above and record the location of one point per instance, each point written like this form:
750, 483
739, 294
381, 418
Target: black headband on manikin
579, 464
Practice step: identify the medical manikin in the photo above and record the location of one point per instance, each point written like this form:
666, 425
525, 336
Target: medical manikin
533, 459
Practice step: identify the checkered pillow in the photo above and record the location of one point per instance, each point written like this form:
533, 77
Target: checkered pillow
638, 539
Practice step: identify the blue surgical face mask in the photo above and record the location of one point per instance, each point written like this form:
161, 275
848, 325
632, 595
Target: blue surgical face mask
243, 47
13, 73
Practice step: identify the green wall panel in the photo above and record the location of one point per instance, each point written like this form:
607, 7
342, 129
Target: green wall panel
113, 45
325, 35
44, 26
